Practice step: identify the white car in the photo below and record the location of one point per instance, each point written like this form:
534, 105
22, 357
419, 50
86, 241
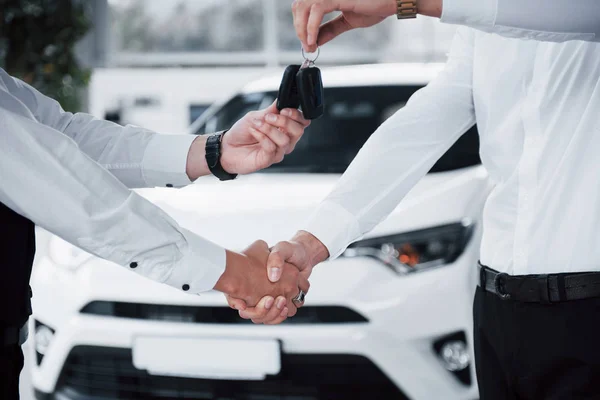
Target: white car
390, 319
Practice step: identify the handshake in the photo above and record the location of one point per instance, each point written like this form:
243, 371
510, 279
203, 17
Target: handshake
268, 285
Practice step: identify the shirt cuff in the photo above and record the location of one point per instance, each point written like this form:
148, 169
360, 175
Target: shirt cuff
469, 12
200, 268
334, 226
165, 160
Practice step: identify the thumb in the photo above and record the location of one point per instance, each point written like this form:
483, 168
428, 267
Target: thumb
280, 254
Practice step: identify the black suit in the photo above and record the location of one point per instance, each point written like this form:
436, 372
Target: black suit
17, 249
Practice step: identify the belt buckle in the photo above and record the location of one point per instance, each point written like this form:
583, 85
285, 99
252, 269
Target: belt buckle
497, 286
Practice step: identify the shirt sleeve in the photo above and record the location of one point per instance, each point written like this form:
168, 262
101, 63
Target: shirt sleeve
399, 153
136, 156
46, 178
545, 20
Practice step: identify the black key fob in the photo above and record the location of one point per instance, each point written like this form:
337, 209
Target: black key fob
288, 90
310, 92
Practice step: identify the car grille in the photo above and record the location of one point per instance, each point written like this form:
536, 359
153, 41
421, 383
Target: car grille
108, 373
215, 315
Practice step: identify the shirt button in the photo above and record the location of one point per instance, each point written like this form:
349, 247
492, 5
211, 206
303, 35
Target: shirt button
186, 287
169, 185
133, 265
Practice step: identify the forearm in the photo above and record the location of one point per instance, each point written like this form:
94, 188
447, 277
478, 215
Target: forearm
47, 179
136, 156
545, 20
399, 154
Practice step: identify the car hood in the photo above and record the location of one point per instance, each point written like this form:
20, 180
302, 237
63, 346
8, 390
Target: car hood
273, 206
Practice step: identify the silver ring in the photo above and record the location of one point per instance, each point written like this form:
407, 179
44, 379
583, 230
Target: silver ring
308, 59
300, 297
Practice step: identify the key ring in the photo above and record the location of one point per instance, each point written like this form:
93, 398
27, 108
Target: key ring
308, 59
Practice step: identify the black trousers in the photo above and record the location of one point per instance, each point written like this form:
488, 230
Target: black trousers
11, 364
530, 351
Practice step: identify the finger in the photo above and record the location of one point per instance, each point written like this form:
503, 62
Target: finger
271, 315
332, 29
300, 10
267, 144
283, 315
280, 254
315, 18
289, 125
270, 130
280, 303
291, 129
292, 309
293, 305
236, 304
246, 314
296, 115
303, 284
262, 309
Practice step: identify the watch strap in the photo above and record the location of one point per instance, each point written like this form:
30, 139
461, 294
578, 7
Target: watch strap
213, 157
407, 9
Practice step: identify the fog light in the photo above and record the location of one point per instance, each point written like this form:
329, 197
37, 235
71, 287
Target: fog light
43, 337
455, 355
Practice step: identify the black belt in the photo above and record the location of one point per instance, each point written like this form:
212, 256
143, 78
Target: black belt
13, 335
545, 289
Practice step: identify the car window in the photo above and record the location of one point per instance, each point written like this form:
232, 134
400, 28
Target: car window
352, 114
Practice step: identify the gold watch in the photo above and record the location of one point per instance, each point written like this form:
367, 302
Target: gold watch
407, 9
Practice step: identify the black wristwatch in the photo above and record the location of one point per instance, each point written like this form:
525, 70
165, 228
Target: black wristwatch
213, 157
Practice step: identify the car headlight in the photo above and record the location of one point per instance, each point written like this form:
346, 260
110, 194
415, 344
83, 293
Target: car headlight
66, 255
416, 251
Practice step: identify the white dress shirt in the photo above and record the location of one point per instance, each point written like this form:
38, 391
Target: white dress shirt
545, 20
537, 106
69, 173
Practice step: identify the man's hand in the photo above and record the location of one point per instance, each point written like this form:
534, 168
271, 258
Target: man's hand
309, 14
304, 251
245, 279
261, 138
257, 141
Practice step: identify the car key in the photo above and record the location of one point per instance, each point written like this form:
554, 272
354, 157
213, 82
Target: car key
302, 87
310, 91
288, 90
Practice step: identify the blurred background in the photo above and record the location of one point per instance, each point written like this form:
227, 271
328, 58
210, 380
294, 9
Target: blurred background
196, 66
160, 64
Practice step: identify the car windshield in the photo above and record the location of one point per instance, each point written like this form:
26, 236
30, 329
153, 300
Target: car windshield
351, 115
